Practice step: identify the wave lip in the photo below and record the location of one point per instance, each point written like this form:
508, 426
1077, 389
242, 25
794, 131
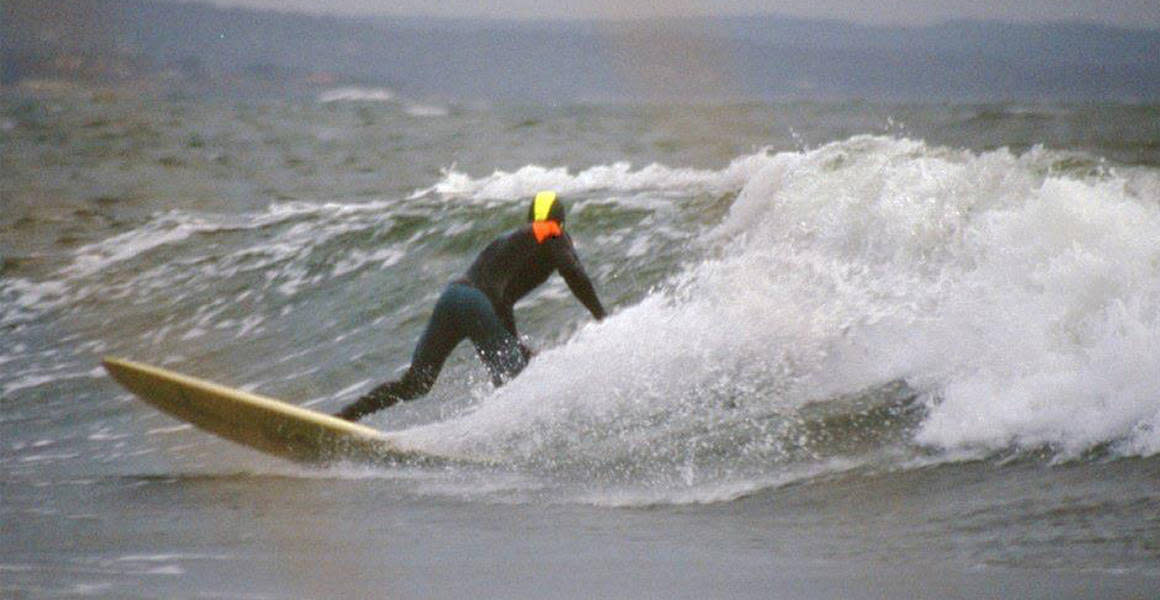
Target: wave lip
619, 177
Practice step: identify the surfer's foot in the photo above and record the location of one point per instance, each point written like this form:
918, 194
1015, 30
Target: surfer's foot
348, 415
358, 409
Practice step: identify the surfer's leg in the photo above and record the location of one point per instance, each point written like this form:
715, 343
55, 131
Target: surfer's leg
499, 350
438, 340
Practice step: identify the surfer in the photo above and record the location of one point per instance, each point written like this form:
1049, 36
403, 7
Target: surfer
478, 306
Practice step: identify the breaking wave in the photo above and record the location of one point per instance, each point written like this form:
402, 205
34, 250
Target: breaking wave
869, 302
1003, 302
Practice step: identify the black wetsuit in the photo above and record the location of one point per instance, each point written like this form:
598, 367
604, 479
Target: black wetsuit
478, 307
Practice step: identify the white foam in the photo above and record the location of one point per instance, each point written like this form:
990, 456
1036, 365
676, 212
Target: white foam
1027, 302
168, 229
356, 259
616, 178
356, 94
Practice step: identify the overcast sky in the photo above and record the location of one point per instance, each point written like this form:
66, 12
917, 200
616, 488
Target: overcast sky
1127, 13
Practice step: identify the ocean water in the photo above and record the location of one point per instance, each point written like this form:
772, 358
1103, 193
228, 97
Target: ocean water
854, 351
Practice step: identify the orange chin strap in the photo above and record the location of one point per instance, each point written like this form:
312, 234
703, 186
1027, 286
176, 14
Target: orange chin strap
546, 229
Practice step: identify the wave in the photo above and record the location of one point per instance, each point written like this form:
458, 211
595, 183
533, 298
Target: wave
618, 178
356, 94
1019, 301
874, 299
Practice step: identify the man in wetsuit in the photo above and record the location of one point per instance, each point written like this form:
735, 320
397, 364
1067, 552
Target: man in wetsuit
478, 306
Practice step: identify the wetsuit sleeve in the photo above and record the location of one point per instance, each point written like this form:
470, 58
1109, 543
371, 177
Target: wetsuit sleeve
573, 272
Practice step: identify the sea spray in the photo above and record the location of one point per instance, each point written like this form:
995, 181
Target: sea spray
1018, 298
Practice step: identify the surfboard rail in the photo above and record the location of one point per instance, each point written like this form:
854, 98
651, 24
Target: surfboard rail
259, 422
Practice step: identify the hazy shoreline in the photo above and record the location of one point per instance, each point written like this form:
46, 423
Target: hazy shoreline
200, 50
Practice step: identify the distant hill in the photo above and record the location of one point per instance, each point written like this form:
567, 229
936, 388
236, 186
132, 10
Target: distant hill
202, 49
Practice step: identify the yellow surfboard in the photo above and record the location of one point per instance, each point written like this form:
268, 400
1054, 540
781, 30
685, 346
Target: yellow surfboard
261, 423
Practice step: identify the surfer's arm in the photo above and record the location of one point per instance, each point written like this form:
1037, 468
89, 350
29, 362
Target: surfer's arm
568, 264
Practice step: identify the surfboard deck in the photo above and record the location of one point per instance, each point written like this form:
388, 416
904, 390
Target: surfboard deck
259, 422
